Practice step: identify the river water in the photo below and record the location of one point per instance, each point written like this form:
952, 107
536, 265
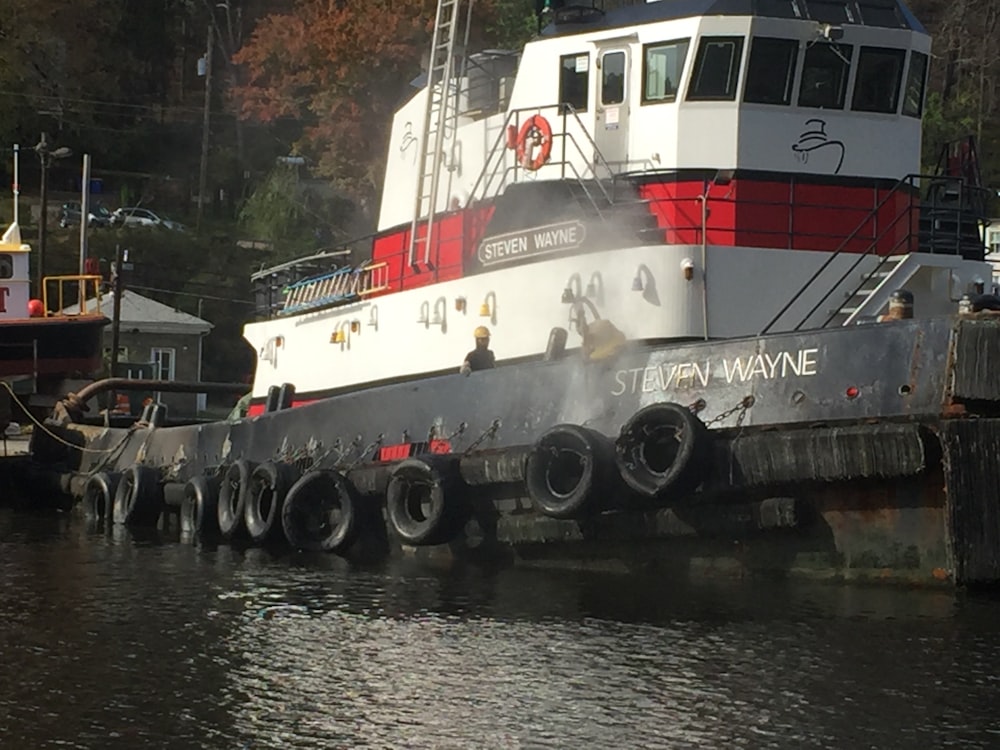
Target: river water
113, 641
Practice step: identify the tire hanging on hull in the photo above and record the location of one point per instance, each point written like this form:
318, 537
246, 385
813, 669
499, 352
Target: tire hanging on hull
99, 496
570, 471
425, 500
199, 509
269, 484
233, 498
139, 497
321, 513
662, 451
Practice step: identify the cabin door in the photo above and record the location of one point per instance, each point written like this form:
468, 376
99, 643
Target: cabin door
611, 125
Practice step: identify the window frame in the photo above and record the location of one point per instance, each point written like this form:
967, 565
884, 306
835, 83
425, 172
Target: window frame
878, 53
563, 69
845, 82
904, 94
605, 54
155, 358
680, 42
790, 70
735, 71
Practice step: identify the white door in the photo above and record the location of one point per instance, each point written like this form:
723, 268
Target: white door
611, 113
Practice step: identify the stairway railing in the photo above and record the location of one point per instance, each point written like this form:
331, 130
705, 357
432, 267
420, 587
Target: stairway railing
872, 248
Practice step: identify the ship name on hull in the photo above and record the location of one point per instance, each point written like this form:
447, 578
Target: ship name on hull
729, 370
539, 241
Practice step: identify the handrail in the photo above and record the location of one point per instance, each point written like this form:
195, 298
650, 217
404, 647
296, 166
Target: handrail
83, 280
564, 110
873, 247
835, 254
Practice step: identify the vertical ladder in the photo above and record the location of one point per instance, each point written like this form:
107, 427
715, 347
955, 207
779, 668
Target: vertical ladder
440, 110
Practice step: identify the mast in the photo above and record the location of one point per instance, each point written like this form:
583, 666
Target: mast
16, 186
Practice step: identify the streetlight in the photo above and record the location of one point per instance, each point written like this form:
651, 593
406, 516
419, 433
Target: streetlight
45, 157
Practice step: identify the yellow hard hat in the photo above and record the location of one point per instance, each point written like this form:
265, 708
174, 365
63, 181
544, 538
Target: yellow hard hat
481, 332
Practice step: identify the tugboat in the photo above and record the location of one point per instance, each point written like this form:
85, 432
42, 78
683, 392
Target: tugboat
41, 350
735, 330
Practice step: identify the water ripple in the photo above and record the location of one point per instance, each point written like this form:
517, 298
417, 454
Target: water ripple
112, 642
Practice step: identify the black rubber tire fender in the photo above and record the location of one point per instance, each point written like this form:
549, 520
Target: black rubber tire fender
568, 471
320, 512
233, 493
424, 499
99, 495
662, 450
269, 484
139, 497
199, 509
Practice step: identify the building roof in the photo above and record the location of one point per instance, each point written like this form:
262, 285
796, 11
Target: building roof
144, 315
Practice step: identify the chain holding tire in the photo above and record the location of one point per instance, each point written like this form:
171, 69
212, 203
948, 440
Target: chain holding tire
490, 432
742, 407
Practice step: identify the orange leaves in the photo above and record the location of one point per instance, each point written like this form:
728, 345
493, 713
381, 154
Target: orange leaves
339, 67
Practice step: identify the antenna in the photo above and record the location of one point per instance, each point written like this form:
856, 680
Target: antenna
16, 186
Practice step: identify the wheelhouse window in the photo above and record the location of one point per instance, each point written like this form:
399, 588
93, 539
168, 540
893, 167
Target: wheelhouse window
913, 94
824, 76
876, 86
663, 64
716, 69
880, 13
829, 11
778, 9
613, 78
771, 70
6, 267
574, 76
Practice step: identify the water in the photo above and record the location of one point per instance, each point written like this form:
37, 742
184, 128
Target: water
108, 641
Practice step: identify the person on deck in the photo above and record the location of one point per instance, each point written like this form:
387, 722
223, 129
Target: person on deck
480, 358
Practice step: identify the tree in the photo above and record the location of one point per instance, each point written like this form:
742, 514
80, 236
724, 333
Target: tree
340, 69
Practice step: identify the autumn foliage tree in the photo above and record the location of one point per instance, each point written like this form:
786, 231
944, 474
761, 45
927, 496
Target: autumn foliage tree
341, 69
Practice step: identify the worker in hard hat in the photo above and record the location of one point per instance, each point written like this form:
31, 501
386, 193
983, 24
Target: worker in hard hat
480, 358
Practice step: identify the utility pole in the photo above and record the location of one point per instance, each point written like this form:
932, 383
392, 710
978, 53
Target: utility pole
45, 157
117, 287
84, 221
205, 128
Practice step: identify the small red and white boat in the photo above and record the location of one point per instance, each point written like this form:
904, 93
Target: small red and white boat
40, 351
680, 222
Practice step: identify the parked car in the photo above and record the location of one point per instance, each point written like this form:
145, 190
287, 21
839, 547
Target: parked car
98, 215
136, 216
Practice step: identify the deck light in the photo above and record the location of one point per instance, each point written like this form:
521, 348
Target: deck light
355, 326
425, 314
687, 268
460, 304
373, 317
489, 307
852, 391
571, 293
595, 287
440, 313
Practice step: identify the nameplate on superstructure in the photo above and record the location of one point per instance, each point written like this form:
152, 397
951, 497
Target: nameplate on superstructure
528, 243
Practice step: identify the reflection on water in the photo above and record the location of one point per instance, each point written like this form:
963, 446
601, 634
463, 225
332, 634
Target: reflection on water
113, 642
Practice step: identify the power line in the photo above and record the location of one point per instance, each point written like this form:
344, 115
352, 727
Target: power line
190, 294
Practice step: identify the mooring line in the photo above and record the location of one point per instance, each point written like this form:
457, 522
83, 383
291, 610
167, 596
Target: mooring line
57, 438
